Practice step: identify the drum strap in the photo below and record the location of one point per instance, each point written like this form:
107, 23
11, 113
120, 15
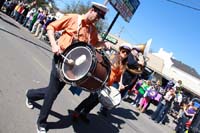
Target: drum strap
79, 27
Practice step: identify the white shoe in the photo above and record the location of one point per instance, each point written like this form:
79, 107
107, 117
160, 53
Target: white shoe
28, 103
134, 105
41, 130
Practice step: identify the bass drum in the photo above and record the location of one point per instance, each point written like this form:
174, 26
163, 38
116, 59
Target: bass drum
90, 69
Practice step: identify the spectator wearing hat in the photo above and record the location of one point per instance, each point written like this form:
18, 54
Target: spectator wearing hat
69, 24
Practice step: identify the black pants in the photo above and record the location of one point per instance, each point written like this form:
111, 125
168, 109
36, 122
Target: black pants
130, 80
48, 93
88, 104
1, 3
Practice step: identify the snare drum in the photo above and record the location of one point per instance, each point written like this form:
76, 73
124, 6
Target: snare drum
90, 69
109, 97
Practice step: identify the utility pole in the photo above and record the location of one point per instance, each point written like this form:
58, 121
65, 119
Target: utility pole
121, 29
105, 2
112, 23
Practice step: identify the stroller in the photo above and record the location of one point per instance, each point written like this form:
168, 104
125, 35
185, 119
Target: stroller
193, 126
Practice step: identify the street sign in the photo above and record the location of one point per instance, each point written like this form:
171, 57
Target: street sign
126, 8
109, 38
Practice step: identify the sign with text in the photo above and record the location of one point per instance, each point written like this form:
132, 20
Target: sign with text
126, 8
109, 38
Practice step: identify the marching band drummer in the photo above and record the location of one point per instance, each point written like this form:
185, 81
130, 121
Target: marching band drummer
118, 65
135, 65
76, 28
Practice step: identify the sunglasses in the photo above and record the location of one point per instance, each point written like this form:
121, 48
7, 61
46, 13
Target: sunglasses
125, 51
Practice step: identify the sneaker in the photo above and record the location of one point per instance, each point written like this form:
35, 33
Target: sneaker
28, 102
133, 104
41, 130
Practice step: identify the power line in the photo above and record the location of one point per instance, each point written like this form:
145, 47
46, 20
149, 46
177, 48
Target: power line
193, 2
184, 5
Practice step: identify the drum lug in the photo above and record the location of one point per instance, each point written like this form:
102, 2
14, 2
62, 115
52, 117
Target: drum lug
89, 74
73, 84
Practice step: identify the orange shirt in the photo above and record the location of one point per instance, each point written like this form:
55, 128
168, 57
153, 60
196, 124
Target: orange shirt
69, 25
115, 76
116, 70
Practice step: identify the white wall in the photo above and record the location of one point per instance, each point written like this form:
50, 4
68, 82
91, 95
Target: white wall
189, 82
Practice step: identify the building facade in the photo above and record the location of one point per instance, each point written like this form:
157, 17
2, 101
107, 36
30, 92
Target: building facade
164, 67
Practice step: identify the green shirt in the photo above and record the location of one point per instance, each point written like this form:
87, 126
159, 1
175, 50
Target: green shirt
143, 88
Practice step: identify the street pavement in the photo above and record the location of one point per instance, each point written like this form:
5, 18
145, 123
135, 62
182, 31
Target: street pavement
25, 62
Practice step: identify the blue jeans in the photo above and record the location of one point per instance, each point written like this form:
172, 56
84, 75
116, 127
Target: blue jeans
116, 85
161, 112
157, 111
137, 99
25, 21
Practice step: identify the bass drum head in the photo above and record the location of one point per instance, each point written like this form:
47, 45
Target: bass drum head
109, 97
83, 60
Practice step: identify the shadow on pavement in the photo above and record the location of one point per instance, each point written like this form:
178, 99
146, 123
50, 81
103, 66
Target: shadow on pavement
125, 113
25, 40
149, 112
98, 123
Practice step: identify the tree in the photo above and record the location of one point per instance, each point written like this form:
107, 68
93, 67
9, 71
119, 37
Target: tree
81, 8
41, 3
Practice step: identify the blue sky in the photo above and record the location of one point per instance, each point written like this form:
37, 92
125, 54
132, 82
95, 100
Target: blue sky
172, 27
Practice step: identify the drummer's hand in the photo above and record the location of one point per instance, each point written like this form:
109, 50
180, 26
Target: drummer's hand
55, 49
121, 86
70, 62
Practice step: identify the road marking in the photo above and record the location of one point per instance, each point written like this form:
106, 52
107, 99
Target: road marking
38, 62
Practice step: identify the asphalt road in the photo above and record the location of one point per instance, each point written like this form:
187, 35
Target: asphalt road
25, 63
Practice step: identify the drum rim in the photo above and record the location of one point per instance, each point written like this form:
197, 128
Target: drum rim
88, 70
